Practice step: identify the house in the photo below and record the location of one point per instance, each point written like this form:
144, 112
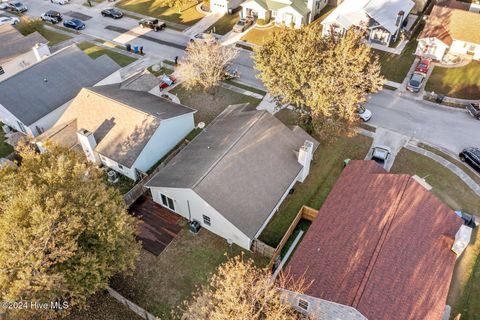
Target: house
17, 51
234, 175
381, 247
383, 20
123, 129
224, 6
450, 30
291, 13
32, 100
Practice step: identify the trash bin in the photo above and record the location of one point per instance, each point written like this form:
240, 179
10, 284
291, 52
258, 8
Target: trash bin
439, 98
230, 11
128, 47
135, 49
141, 50
345, 162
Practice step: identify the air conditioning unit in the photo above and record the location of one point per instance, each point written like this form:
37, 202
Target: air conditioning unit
6, 129
194, 226
112, 176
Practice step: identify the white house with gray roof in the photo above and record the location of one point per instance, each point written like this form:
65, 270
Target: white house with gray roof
382, 19
235, 174
123, 129
291, 13
32, 100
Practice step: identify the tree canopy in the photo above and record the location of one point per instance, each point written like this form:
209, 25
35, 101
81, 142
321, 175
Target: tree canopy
63, 233
324, 78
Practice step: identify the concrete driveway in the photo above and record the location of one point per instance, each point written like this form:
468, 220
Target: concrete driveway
395, 141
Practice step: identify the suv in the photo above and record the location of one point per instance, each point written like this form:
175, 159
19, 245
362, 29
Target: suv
415, 82
52, 16
153, 24
471, 156
17, 7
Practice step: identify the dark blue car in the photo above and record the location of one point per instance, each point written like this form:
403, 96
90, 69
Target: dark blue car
74, 24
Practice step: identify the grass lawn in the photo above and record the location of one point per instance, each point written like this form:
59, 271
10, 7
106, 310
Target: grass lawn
95, 51
395, 67
461, 82
159, 9
52, 36
464, 292
162, 283
5, 149
259, 36
225, 24
324, 172
29, 26
210, 105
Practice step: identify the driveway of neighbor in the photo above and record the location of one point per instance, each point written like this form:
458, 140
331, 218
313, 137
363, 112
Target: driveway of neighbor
394, 140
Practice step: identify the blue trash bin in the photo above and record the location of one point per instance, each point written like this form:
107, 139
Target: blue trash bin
135, 49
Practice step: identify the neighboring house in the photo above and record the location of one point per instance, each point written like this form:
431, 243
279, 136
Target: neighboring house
381, 247
234, 175
32, 100
18, 52
450, 30
383, 20
126, 130
291, 13
224, 6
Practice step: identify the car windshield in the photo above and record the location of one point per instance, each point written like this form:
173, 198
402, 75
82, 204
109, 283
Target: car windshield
241, 22
17, 4
76, 21
361, 109
379, 153
422, 65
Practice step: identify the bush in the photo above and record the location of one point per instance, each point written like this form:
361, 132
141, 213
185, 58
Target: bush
27, 26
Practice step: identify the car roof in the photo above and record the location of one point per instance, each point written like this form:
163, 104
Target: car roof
49, 12
473, 150
417, 76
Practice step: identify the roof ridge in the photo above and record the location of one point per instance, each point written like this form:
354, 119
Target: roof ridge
234, 143
391, 213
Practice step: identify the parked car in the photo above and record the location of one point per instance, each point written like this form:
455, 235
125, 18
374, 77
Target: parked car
16, 7
471, 156
74, 24
364, 113
474, 110
61, 2
243, 24
415, 82
230, 72
52, 16
112, 13
3, 5
203, 37
9, 20
380, 154
167, 81
153, 24
422, 66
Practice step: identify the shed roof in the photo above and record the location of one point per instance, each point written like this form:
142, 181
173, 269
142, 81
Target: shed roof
382, 244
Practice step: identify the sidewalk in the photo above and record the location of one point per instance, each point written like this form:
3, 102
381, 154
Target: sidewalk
203, 24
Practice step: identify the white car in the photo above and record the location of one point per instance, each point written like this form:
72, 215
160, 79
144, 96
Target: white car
380, 154
9, 20
61, 2
203, 37
364, 113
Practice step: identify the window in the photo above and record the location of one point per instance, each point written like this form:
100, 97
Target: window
22, 127
120, 166
167, 202
206, 220
302, 304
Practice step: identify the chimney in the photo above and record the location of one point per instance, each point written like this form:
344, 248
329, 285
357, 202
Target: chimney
305, 155
41, 51
88, 142
462, 239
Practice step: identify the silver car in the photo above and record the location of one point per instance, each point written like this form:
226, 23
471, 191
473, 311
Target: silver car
380, 154
243, 24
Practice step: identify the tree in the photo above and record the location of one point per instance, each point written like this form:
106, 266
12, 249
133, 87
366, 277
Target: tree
204, 64
324, 78
240, 290
63, 233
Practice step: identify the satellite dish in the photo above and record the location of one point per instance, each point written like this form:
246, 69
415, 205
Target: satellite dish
201, 125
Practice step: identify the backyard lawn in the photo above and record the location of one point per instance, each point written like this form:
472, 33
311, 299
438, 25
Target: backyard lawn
210, 105
465, 287
160, 284
259, 36
95, 51
324, 172
461, 82
5, 149
395, 67
159, 9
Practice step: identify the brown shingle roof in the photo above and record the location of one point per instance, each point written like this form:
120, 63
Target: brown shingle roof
448, 24
381, 244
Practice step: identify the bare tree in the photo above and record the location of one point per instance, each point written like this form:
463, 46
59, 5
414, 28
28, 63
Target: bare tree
205, 64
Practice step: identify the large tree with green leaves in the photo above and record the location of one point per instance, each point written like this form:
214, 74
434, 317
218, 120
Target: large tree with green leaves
324, 78
63, 232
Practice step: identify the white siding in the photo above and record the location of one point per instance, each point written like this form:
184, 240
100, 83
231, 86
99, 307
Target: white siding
49, 120
431, 48
222, 6
127, 172
168, 135
192, 207
9, 119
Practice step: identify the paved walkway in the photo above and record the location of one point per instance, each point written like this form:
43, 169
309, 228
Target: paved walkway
456, 170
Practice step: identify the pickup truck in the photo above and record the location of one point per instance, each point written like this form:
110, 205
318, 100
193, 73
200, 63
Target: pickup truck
474, 110
153, 24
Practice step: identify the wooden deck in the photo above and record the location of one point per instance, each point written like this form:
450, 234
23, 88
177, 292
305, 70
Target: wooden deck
159, 227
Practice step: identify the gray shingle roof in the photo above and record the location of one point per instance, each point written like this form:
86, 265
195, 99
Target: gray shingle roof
13, 43
241, 164
36, 91
122, 121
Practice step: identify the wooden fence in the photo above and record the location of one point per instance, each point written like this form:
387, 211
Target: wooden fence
132, 306
262, 248
306, 213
